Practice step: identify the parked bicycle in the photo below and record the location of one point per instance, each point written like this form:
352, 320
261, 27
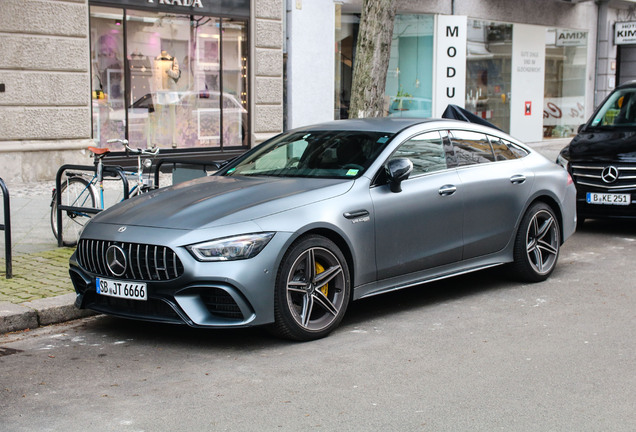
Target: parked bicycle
84, 190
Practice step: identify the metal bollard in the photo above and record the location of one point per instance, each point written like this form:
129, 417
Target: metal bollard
6, 227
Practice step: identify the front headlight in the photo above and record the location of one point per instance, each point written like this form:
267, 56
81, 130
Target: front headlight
231, 248
561, 160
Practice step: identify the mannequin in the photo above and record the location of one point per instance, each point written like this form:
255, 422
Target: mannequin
166, 74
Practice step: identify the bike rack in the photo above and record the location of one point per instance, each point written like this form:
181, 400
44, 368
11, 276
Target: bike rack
108, 170
176, 162
6, 227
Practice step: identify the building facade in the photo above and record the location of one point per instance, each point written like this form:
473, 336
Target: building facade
198, 78
212, 78
535, 69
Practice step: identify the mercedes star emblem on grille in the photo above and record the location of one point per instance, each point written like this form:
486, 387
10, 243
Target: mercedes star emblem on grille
610, 174
116, 260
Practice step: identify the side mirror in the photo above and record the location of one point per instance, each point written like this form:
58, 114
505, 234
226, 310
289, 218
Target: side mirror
398, 170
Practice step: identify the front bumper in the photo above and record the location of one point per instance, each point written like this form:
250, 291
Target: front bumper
602, 211
206, 294
610, 177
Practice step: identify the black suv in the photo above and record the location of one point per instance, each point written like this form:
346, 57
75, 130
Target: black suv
602, 158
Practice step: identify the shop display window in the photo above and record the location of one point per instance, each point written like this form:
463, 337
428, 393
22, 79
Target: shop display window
347, 26
174, 81
409, 81
564, 94
488, 71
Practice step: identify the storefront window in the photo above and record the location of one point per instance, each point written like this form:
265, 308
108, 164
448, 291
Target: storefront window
564, 95
347, 26
409, 81
234, 83
107, 64
488, 74
183, 84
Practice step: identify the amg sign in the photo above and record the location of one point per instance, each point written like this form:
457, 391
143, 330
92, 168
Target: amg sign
625, 33
571, 38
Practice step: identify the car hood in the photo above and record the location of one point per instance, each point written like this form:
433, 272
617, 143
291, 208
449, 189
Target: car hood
215, 200
603, 146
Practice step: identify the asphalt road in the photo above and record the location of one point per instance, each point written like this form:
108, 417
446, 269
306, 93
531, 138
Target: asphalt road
475, 353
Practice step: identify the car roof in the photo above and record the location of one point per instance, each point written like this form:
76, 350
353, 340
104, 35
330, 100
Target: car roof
392, 125
373, 124
627, 84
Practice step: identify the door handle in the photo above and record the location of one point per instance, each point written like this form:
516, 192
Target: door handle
517, 179
356, 214
447, 190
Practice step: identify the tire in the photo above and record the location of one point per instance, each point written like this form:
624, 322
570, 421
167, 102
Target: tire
310, 304
75, 191
537, 244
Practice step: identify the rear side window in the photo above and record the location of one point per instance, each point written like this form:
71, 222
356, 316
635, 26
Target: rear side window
505, 150
425, 151
471, 147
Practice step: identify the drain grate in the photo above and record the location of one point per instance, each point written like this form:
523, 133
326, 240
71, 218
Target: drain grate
4, 351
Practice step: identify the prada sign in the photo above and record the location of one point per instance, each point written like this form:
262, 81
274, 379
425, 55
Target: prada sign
231, 8
187, 3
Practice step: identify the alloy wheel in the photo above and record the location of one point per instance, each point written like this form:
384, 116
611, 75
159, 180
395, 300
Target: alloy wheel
542, 242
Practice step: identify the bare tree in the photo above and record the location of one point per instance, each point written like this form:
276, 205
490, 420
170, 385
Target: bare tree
372, 58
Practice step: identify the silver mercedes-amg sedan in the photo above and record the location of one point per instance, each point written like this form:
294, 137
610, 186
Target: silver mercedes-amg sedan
296, 228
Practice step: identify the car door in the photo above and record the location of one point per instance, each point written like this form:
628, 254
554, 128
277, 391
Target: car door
496, 186
421, 226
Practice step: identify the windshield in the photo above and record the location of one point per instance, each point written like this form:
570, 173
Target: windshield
618, 111
326, 154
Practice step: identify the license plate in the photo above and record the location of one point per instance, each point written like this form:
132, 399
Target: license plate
608, 198
122, 289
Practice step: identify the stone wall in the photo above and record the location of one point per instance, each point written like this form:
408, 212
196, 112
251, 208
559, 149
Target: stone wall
45, 107
267, 63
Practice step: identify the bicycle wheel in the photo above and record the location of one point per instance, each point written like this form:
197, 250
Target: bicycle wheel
77, 192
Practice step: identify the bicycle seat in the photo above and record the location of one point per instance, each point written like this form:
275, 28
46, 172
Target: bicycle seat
99, 151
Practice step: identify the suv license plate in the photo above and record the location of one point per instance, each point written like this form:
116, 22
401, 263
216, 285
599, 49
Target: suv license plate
122, 289
608, 198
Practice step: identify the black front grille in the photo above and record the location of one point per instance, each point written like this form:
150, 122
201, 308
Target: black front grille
591, 175
143, 262
152, 309
220, 303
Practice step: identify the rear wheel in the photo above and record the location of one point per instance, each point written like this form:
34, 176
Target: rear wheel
312, 289
76, 192
537, 244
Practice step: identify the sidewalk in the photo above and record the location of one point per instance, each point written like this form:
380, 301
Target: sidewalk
40, 292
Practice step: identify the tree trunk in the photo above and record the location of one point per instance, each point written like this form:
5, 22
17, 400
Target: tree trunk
372, 58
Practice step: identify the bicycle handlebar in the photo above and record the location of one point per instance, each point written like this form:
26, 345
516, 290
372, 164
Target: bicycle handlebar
148, 152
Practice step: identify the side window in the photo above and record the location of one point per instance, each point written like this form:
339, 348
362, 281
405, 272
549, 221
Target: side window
471, 147
505, 150
425, 151
518, 151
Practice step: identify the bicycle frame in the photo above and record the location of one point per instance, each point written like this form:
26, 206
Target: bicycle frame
89, 194
113, 171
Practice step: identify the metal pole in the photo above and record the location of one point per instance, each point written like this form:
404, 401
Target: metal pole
7, 229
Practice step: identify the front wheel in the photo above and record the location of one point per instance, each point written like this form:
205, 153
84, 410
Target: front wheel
537, 244
75, 192
312, 289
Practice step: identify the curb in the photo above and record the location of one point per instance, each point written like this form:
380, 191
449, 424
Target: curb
46, 311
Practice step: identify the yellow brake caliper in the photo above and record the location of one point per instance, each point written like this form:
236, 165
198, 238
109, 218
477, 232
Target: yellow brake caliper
320, 269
